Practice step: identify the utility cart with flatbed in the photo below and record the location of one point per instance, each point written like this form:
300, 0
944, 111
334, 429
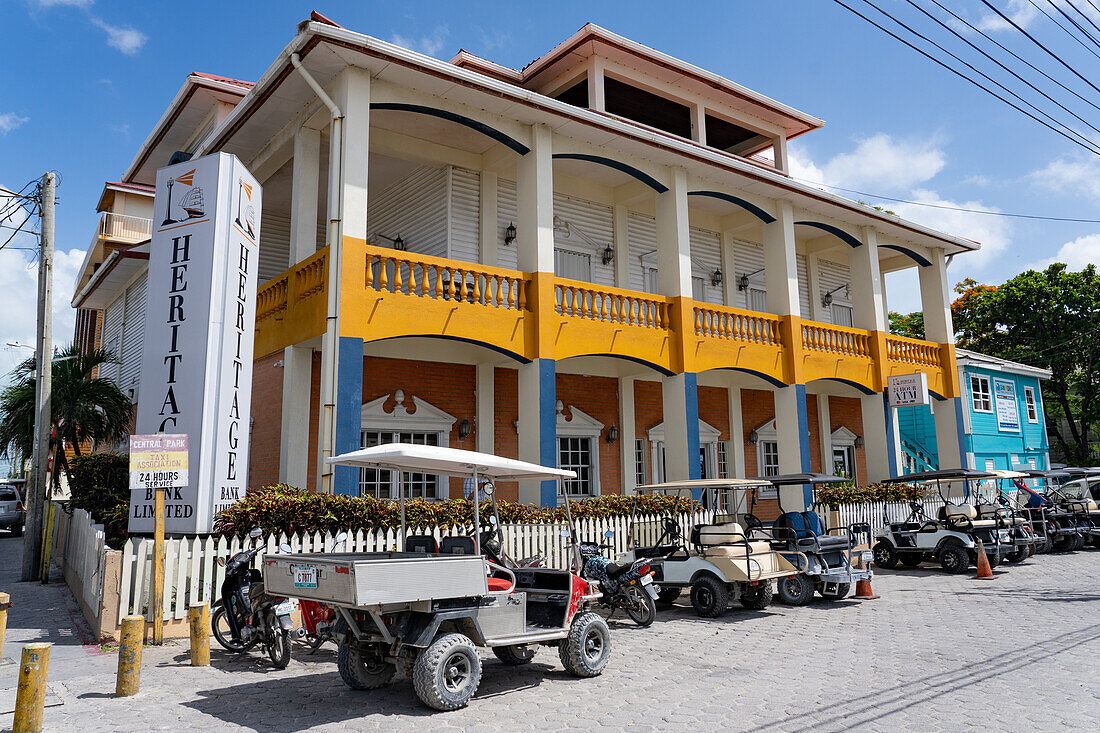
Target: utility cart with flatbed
427, 612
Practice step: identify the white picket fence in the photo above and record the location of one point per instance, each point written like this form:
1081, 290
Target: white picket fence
878, 513
84, 552
192, 574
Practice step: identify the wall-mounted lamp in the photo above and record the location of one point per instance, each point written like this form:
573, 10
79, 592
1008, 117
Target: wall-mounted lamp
397, 242
510, 233
754, 437
743, 281
464, 429
859, 441
716, 277
612, 434
608, 255
827, 299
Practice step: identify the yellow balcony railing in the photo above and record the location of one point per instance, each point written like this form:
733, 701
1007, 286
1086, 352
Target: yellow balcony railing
291, 307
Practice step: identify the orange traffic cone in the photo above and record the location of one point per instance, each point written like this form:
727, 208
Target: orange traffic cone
984, 571
863, 587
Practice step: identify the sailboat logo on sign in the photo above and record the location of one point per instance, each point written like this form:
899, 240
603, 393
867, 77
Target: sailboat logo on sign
190, 201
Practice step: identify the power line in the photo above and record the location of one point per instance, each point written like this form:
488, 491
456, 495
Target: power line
1067, 30
1036, 41
945, 207
1010, 71
1015, 55
964, 76
1084, 15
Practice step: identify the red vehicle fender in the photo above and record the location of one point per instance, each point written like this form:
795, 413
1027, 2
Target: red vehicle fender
579, 590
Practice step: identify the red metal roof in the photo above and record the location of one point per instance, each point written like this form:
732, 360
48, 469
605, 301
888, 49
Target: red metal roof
136, 186
225, 79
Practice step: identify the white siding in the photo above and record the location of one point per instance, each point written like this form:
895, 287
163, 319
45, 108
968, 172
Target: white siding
465, 215
133, 337
833, 275
803, 286
706, 257
414, 208
642, 235
747, 257
274, 244
585, 228
111, 338
507, 209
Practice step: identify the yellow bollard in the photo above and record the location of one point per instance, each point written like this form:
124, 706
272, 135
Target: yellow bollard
5, 604
129, 656
30, 698
199, 617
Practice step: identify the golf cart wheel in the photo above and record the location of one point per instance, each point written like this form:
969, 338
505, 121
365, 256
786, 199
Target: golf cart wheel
1043, 545
954, 559
447, 672
757, 597
1018, 556
1078, 543
709, 596
839, 594
796, 590
668, 596
886, 557
584, 653
641, 609
515, 654
911, 560
363, 670
994, 559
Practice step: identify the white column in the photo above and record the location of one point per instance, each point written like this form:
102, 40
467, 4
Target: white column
868, 297
792, 432
485, 434
881, 441
535, 193
780, 262
949, 432
699, 124
813, 276
681, 418
825, 429
935, 301
729, 270
353, 98
737, 432
626, 435
305, 178
294, 433
595, 83
621, 223
489, 233
779, 150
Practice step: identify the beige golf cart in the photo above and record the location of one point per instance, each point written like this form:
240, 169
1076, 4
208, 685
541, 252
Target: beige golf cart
716, 561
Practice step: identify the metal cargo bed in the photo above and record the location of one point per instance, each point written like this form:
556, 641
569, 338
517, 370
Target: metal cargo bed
372, 579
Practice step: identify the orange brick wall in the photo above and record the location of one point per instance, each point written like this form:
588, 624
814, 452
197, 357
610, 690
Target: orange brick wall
714, 410
848, 412
598, 397
505, 415
649, 411
267, 411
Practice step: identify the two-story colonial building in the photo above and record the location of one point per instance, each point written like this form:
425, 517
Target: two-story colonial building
598, 261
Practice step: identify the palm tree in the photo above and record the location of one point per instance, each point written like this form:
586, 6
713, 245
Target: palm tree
83, 408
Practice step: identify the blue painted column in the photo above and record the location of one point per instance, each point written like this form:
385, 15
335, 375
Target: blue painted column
538, 440
892, 439
680, 403
349, 411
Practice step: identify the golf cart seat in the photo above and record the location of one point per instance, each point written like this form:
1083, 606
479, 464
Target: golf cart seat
458, 546
993, 511
805, 531
724, 540
423, 543
956, 512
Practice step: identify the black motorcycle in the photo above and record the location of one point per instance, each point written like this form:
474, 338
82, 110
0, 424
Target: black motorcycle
246, 615
629, 587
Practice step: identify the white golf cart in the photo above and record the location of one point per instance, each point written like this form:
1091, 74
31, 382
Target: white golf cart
718, 562
951, 538
993, 500
427, 609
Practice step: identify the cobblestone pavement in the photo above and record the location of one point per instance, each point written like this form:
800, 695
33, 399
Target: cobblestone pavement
936, 652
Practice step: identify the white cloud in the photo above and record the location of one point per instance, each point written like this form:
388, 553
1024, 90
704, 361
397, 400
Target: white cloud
1075, 176
10, 121
880, 162
993, 232
1076, 254
125, 38
1022, 13
430, 44
65, 3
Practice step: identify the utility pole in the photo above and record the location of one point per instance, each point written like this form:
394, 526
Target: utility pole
36, 495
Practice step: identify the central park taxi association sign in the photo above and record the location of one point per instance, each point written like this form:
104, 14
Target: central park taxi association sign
196, 370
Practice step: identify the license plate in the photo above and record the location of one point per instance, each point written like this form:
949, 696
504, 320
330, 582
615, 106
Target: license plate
651, 590
305, 577
647, 580
286, 607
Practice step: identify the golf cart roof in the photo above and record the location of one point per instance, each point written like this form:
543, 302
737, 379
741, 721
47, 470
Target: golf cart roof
1051, 473
706, 483
446, 461
945, 474
791, 479
1074, 472
1001, 473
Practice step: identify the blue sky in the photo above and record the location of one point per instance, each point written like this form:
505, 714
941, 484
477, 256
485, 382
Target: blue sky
86, 80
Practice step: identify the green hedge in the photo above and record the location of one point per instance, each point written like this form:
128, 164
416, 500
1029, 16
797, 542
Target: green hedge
834, 494
282, 508
101, 486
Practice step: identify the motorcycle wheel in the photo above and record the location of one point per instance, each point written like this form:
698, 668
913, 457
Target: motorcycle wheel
639, 606
278, 645
219, 624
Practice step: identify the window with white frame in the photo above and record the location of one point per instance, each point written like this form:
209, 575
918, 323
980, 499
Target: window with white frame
1032, 407
842, 315
723, 459
981, 398
389, 419
767, 455
990, 464
573, 265
708, 451
579, 450
698, 289
640, 462
758, 299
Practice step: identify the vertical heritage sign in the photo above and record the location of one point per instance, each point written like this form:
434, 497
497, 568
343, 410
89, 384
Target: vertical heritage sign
196, 370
